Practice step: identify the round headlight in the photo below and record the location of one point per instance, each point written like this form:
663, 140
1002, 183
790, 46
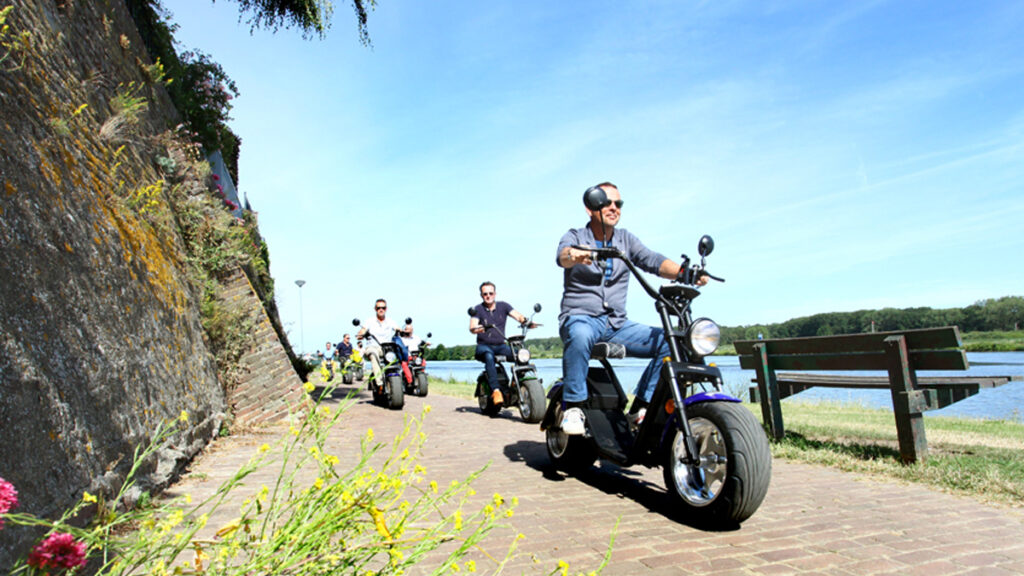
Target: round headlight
390, 356
523, 356
704, 336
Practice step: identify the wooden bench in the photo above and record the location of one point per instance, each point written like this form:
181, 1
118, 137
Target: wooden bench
902, 354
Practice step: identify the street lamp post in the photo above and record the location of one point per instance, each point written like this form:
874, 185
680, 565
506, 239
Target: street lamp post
302, 340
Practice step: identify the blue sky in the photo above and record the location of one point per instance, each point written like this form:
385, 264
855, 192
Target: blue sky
844, 155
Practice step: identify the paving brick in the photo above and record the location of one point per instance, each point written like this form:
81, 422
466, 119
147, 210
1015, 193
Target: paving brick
814, 519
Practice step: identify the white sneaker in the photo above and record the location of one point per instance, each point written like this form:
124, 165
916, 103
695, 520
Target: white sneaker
572, 422
636, 419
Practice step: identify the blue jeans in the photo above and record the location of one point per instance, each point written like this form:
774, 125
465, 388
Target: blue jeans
485, 353
579, 334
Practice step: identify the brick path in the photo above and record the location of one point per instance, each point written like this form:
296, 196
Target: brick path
814, 520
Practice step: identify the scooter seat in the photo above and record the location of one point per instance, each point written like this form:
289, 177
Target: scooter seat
607, 350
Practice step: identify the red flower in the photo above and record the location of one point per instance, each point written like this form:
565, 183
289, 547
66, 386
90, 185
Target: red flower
58, 550
8, 498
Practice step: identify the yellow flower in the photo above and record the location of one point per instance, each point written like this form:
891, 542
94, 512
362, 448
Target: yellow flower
369, 434
88, 498
378, 522
458, 519
508, 513
203, 520
183, 416
427, 409
318, 483
264, 447
309, 387
471, 566
498, 500
326, 410
404, 454
188, 498
433, 486
564, 567
417, 469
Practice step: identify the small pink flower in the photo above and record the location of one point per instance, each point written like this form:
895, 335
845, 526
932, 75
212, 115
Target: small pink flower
8, 498
216, 178
58, 550
220, 188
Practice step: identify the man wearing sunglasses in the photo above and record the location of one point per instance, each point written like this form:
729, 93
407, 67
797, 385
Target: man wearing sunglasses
490, 339
594, 307
381, 328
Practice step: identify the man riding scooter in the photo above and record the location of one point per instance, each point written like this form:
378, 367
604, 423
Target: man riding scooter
488, 323
594, 307
382, 329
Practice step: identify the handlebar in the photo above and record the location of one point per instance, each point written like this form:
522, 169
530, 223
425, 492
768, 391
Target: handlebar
688, 275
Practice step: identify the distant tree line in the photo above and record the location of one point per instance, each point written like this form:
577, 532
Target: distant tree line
992, 315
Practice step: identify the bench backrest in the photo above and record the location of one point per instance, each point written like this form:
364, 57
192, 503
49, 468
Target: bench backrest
927, 349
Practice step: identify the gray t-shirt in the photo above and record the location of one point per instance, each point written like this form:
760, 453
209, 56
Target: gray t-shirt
594, 290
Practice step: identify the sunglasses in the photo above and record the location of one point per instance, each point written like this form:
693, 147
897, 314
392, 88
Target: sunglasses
381, 308
618, 203
487, 293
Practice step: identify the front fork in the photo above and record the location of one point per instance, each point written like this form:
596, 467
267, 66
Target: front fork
682, 422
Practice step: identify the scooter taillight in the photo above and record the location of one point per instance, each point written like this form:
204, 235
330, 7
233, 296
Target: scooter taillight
670, 406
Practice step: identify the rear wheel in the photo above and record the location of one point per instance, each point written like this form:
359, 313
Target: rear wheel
531, 400
572, 454
483, 398
731, 480
421, 383
396, 393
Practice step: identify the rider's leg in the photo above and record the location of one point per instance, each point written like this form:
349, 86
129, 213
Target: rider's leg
485, 353
579, 334
642, 341
374, 352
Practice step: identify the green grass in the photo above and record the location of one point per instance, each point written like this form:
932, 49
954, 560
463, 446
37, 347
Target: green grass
983, 459
1010, 341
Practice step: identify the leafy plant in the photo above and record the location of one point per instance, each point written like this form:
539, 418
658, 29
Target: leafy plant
383, 515
12, 45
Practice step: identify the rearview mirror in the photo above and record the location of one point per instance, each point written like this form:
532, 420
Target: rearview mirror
355, 321
595, 198
408, 321
536, 307
706, 245
429, 334
471, 311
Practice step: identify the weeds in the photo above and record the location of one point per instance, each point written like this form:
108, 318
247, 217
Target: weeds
382, 515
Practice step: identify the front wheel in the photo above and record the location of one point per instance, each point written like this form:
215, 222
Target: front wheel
396, 396
731, 480
421, 383
531, 400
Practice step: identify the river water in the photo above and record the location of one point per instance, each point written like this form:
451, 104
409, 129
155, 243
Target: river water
1002, 403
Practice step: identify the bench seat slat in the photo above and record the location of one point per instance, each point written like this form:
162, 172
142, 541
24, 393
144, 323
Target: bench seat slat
843, 381
924, 339
921, 360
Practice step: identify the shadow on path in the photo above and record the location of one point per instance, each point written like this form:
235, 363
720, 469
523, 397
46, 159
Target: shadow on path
612, 480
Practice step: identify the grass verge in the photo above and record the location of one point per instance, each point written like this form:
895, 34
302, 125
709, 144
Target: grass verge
982, 459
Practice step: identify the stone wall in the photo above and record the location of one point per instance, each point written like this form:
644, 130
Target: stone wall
268, 387
100, 334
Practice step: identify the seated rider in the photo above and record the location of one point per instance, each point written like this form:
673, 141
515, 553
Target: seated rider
344, 349
490, 339
411, 341
594, 307
381, 328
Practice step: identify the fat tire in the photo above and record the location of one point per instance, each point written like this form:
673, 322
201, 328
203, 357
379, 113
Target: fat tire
422, 384
396, 393
571, 454
531, 400
484, 399
748, 464
347, 377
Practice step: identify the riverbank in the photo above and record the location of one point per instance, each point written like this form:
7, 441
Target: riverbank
980, 459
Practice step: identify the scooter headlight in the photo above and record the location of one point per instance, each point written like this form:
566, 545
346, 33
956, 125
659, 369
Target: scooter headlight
704, 336
523, 356
390, 356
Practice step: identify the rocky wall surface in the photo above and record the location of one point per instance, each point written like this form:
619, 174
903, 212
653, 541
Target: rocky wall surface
100, 334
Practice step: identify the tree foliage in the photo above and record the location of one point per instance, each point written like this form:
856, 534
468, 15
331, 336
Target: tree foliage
991, 315
311, 17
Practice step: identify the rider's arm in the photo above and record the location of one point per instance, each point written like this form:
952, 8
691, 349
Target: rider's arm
518, 317
570, 257
474, 326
